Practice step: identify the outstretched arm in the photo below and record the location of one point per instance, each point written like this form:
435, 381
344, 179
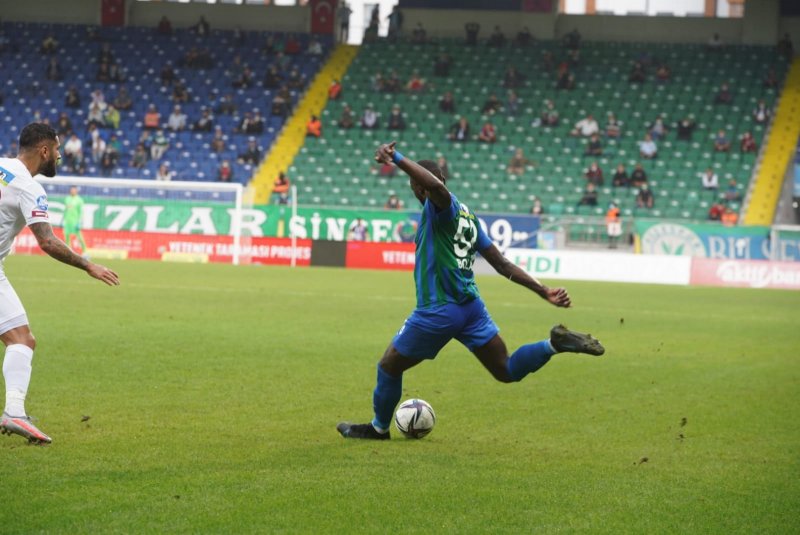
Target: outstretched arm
555, 296
57, 249
421, 177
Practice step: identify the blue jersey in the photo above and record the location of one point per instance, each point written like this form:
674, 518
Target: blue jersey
447, 241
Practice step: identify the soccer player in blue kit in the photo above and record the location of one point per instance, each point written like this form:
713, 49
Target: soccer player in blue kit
448, 303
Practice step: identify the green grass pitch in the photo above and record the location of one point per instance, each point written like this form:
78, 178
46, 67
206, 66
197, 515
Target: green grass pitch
213, 394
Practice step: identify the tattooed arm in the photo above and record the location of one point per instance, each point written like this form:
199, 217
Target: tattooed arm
57, 249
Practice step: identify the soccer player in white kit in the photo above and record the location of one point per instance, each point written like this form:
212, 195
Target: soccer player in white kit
23, 202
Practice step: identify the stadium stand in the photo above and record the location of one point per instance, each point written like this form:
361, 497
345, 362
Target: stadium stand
142, 53
337, 169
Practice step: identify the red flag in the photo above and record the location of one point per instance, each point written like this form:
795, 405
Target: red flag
322, 14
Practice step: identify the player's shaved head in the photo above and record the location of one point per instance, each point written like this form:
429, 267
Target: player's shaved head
433, 168
34, 134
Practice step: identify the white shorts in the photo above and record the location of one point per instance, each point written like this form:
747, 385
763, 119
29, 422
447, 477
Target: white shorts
12, 313
614, 229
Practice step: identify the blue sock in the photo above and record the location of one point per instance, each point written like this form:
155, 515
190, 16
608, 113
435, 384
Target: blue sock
529, 358
385, 398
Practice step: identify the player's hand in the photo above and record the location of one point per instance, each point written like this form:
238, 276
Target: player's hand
385, 152
558, 297
102, 273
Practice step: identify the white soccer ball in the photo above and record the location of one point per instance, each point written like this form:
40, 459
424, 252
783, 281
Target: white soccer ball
415, 418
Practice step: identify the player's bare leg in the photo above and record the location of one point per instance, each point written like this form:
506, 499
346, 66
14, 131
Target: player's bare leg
20, 344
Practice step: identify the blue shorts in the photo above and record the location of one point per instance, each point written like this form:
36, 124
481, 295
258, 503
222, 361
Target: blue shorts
427, 331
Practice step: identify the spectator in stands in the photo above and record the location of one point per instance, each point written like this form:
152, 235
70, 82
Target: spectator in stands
613, 126
613, 225
517, 164
177, 119
536, 207
393, 202
785, 47
716, 210
159, 145
346, 120
273, 78
152, 119
714, 42
594, 147
281, 102
648, 148
491, 105
549, 115
761, 113
139, 158
98, 146
395, 19
202, 29
296, 79
497, 39
645, 199
245, 79
724, 95
663, 74
112, 118
63, 125
371, 32
396, 120
419, 36
573, 58
343, 14
123, 100
164, 26
747, 143
164, 173
721, 142
73, 153
314, 47
488, 133
512, 103
49, 45
167, 74
512, 78
732, 192
72, 98
472, 29
392, 84
116, 72
281, 184
252, 154
730, 217
523, 38
459, 131
589, 197
109, 160
335, 90
442, 65
637, 74
638, 177
103, 73
180, 93
572, 40
292, 46
620, 178
441, 161
566, 81
95, 116
387, 169
415, 83
685, 128
378, 82
709, 180
218, 141
225, 172
314, 127
658, 129
359, 231
226, 105
594, 174
548, 61
369, 120
256, 125
53, 71
205, 123
586, 127
447, 104
771, 79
